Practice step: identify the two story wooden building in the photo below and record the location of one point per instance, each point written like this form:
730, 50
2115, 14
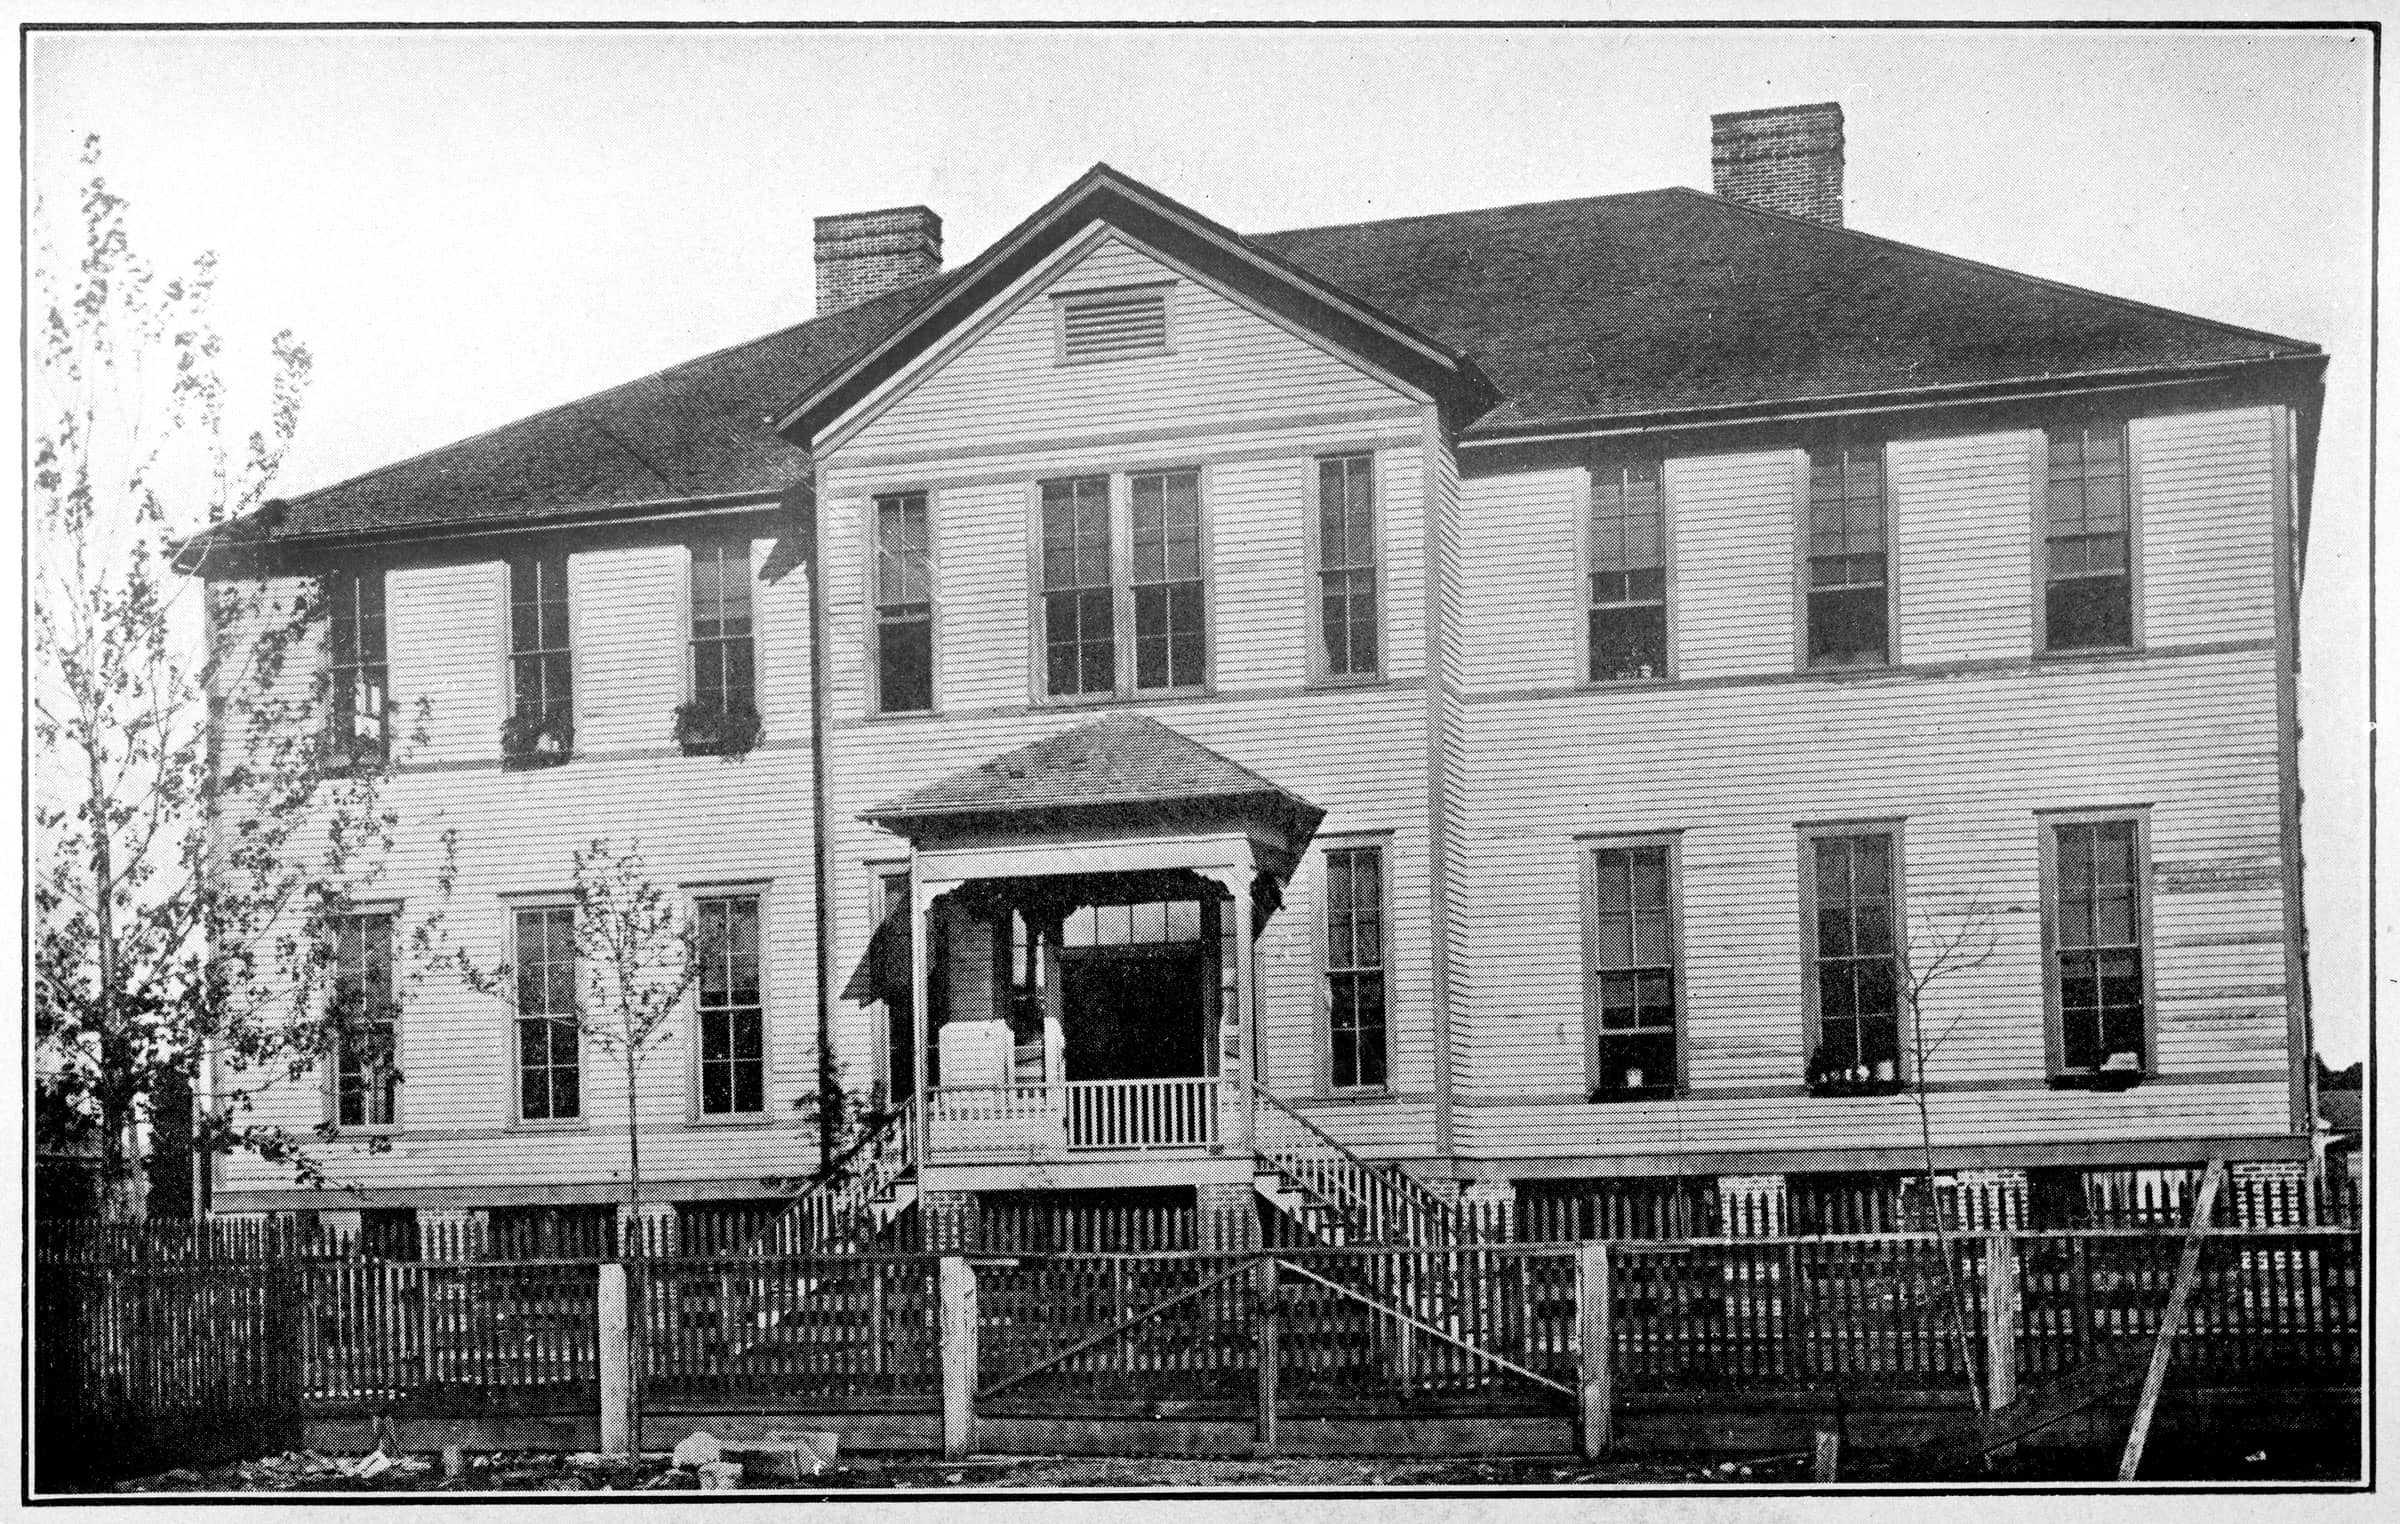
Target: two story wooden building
1596, 701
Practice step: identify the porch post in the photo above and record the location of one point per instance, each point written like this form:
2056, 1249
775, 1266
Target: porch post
920, 993
1237, 1015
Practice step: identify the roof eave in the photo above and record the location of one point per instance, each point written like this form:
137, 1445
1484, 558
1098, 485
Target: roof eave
1829, 404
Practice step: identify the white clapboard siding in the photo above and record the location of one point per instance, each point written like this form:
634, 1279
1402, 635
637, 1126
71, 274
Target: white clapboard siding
626, 604
444, 628
1965, 761
1962, 513
2206, 506
1224, 362
1732, 521
1520, 593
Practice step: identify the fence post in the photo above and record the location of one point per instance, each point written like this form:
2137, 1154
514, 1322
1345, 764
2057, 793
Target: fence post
1267, 1311
1999, 1321
958, 1357
616, 1363
1594, 1334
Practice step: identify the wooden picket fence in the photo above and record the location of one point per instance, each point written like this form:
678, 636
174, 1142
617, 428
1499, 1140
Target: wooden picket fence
175, 1361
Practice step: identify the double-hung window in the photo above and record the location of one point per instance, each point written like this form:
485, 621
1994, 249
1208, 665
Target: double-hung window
724, 660
541, 713
732, 1008
1848, 587
357, 731
1347, 626
2087, 541
549, 1033
1633, 971
1170, 620
1356, 1046
903, 579
365, 1016
1118, 625
2098, 951
1853, 879
1627, 599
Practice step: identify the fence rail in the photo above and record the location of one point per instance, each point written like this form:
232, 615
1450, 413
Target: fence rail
236, 1352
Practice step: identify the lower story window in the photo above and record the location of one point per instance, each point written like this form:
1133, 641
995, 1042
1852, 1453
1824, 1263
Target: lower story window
366, 1023
549, 1037
733, 1045
2096, 915
1854, 960
1356, 1048
1633, 972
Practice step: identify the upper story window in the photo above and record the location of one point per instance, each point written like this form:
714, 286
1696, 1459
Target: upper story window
1633, 971
1111, 325
2099, 947
1853, 880
358, 729
1355, 1040
1170, 622
724, 658
1628, 574
1136, 623
365, 1015
2087, 541
1848, 586
732, 1008
541, 712
549, 1032
903, 579
1346, 542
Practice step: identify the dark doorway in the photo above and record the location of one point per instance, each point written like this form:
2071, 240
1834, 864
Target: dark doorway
1134, 1012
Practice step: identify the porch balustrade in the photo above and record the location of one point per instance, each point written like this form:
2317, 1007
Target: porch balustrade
1074, 1117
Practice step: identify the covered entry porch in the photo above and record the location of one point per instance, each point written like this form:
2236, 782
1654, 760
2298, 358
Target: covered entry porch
1079, 920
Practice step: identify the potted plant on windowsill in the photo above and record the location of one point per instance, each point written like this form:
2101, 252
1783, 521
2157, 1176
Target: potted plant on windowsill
1828, 1075
2119, 1071
537, 740
1634, 1084
710, 730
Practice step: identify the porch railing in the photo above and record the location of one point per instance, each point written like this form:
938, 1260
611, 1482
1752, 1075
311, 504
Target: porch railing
1078, 1116
1381, 1203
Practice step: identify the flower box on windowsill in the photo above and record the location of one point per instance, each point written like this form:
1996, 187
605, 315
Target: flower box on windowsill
2122, 1071
534, 740
1853, 1084
707, 731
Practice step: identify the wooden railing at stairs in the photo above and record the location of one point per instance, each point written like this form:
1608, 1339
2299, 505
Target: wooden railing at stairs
838, 1210
1376, 1204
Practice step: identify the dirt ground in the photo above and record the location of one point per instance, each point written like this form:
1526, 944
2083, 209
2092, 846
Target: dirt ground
302, 1472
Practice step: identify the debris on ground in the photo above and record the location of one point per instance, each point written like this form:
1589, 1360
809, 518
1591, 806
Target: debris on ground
698, 1449
720, 1476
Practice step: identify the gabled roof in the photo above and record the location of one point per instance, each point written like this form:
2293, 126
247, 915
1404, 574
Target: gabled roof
1649, 307
1115, 761
1106, 195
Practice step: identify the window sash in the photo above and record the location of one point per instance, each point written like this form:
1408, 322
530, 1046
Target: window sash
724, 661
1853, 949
540, 658
358, 662
366, 1015
1346, 546
549, 1038
1170, 631
1633, 967
2087, 545
1357, 1016
1079, 623
2100, 949
732, 1007
1847, 559
903, 601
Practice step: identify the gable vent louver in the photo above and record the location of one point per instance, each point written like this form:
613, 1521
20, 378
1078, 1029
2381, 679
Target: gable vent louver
1112, 326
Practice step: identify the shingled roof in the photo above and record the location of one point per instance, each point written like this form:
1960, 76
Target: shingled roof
1646, 305
1116, 760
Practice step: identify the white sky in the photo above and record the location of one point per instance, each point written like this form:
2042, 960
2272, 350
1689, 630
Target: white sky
467, 227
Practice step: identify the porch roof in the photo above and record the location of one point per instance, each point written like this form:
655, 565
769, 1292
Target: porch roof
1118, 763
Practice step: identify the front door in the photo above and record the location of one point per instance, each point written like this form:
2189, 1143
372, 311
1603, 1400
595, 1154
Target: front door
1134, 1012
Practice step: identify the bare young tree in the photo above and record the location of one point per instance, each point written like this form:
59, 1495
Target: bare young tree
194, 835
635, 955
1936, 950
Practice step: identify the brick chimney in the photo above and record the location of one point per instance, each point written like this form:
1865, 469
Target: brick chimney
861, 255
1786, 159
